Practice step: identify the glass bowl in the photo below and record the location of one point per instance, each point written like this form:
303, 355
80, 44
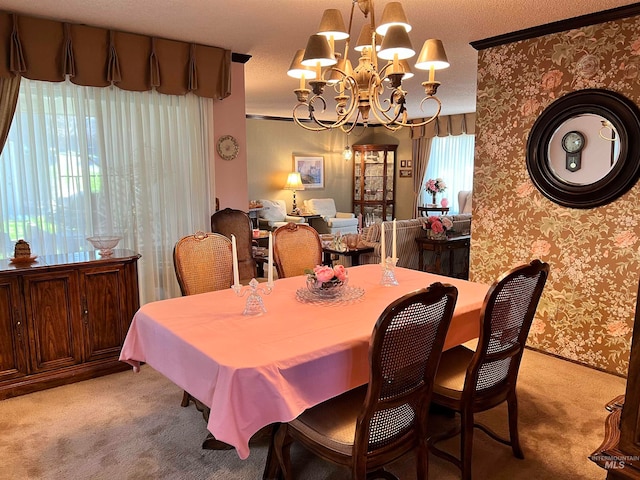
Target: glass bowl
104, 243
327, 289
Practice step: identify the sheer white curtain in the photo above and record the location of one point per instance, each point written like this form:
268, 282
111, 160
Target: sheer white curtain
451, 159
81, 161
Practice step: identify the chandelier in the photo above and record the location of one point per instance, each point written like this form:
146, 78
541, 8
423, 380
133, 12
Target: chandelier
370, 88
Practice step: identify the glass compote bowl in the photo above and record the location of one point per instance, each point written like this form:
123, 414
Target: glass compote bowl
104, 243
330, 289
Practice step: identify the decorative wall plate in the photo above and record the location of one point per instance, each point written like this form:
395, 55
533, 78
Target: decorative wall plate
227, 147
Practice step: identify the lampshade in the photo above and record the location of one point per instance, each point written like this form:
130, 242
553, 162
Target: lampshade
396, 41
364, 40
318, 51
393, 14
297, 70
404, 67
432, 55
294, 182
335, 76
332, 25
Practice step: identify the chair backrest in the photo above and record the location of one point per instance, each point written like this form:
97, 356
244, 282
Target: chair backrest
238, 223
507, 313
203, 263
273, 210
464, 201
296, 248
404, 353
321, 206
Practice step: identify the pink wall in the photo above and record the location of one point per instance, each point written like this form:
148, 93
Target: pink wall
231, 183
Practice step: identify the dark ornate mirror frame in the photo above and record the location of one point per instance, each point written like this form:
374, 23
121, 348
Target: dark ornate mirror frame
625, 117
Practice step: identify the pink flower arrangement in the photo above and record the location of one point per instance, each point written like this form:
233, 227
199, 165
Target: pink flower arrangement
324, 274
435, 186
438, 224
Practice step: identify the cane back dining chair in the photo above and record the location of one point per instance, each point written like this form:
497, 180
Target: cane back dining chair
238, 223
203, 263
470, 382
372, 425
296, 248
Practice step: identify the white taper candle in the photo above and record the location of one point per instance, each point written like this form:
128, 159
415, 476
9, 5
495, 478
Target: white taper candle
270, 262
383, 248
234, 252
393, 245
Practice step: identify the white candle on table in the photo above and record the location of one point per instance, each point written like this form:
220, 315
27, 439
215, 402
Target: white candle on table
393, 244
270, 262
234, 252
383, 248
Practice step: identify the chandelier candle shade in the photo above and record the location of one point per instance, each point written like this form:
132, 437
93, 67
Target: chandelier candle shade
370, 88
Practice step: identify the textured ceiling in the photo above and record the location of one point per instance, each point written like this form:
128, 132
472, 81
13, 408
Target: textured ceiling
271, 31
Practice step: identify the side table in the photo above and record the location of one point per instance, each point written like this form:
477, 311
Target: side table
424, 211
439, 246
353, 253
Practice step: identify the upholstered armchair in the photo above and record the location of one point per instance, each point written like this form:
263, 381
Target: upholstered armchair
332, 220
274, 215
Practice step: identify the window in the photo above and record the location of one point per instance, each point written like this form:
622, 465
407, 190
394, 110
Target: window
81, 161
451, 159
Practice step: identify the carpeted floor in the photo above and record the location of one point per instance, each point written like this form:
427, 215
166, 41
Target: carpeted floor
131, 426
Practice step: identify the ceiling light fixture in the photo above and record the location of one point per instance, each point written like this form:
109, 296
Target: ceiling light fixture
359, 90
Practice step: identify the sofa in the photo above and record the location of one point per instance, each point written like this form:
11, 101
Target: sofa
407, 249
331, 221
274, 214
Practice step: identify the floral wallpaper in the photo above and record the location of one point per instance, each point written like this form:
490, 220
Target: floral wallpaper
587, 310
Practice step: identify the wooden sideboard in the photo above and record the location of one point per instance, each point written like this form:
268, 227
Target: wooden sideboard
619, 453
64, 318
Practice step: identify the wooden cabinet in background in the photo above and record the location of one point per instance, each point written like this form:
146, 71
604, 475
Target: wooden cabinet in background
374, 181
64, 318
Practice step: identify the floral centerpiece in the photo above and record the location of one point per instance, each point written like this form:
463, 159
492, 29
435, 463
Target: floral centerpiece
435, 186
326, 281
437, 227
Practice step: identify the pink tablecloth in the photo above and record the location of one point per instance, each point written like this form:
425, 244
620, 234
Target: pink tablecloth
254, 371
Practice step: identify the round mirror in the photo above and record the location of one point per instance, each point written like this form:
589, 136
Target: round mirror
584, 149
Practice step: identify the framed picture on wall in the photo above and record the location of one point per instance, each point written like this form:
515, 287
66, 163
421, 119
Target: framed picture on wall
409, 164
311, 170
403, 163
405, 173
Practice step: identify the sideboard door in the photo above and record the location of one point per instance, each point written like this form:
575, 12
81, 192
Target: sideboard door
106, 315
13, 334
55, 328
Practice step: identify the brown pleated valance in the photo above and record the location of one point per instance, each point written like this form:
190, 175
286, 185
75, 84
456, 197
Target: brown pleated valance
446, 125
42, 49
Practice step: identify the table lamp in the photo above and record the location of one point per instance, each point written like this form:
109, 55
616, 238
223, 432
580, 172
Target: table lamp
294, 183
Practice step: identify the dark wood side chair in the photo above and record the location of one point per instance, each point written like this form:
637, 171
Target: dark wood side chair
229, 221
373, 425
296, 248
470, 382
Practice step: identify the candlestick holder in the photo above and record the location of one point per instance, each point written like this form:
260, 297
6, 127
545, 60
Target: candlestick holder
388, 276
254, 305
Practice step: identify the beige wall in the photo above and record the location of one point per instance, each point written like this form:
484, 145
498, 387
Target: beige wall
272, 143
587, 310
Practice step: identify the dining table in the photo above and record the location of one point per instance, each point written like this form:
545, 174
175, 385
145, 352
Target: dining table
252, 371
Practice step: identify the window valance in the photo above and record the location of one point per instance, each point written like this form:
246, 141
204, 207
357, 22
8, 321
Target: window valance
446, 125
49, 50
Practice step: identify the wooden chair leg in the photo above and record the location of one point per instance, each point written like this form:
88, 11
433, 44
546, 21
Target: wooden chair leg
185, 399
512, 403
466, 444
282, 445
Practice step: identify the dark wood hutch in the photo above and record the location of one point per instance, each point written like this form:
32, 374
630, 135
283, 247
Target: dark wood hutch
63, 318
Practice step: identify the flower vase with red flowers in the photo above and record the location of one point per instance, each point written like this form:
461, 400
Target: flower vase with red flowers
433, 187
327, 282
437, 227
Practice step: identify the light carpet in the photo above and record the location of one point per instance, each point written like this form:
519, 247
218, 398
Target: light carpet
131, 426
